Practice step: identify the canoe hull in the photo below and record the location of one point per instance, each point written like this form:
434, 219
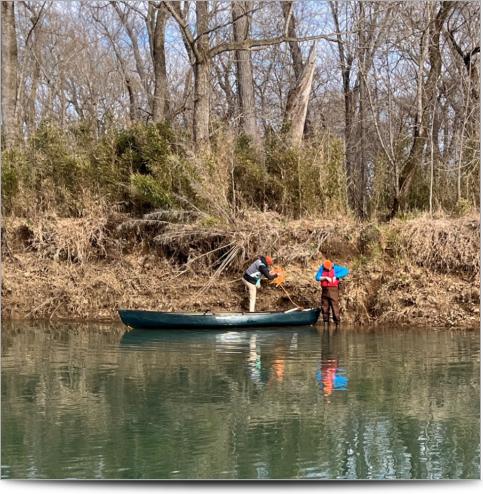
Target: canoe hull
144, 319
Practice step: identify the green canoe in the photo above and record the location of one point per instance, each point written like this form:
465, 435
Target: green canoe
145, 319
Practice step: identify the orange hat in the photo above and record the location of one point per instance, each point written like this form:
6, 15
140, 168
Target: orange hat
269, 260
327, 264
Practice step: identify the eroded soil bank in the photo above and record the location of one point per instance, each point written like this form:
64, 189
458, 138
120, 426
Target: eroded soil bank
422, 271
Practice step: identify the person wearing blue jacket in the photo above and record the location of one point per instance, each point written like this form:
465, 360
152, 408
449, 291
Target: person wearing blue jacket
329, 276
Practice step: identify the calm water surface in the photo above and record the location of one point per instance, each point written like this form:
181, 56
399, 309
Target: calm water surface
84, 402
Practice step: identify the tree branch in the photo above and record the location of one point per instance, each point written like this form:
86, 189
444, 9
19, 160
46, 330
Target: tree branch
174, 9
250, 44
288, 16
229, 23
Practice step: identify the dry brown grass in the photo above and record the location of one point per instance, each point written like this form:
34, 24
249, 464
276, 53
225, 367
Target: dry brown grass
444, 245
420, 271
427, 298
64, 239
301, 241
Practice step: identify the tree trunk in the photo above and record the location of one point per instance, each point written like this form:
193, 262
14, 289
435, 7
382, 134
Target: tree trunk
133, 111
223, 75
9, 72
135, 47
362, 203
295, 52
363, 41
346, 61
246, 92
201, 111
26, 109
427, 93
201, 70
348, 141
32, 98
297, 103
160, 96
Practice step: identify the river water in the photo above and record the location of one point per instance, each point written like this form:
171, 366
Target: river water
100, 402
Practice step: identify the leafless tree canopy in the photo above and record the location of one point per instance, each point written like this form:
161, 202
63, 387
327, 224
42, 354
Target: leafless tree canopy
395, 83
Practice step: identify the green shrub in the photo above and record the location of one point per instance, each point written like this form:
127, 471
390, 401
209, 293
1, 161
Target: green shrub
462, 207
309, 180
147, 166
250, 177
146, 191
9, 180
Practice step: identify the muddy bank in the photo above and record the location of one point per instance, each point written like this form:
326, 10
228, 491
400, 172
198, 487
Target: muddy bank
421, 272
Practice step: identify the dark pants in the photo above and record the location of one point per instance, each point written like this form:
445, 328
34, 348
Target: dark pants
330, 299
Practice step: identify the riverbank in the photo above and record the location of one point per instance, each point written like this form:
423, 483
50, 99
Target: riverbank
420, 272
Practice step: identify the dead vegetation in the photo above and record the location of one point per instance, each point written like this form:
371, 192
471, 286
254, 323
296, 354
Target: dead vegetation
418, 271
444, 245
63, 239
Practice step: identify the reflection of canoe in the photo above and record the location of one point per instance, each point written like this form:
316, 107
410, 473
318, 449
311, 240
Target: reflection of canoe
219, 337
144, 319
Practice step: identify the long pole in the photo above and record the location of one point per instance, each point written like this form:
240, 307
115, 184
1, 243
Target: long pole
289, 297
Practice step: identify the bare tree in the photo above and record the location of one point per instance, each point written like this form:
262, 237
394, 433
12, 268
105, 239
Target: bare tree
9, 72
297, 102
129, 83
427, 92
295, 51
397, 84
346, 61
126, 22
246, 91
156, 22
201, 55
33, 47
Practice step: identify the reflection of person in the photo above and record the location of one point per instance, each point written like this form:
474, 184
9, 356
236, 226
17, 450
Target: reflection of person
330, 376
254, 361
329, 275
274, 368
278, 361
253, 276
278, 366
328, 371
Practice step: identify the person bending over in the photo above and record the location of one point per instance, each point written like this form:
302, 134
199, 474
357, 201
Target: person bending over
253, 276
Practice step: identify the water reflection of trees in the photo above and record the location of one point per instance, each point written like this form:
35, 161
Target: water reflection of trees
90, 400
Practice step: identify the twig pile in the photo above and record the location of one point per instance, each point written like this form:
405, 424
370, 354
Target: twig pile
444, 245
